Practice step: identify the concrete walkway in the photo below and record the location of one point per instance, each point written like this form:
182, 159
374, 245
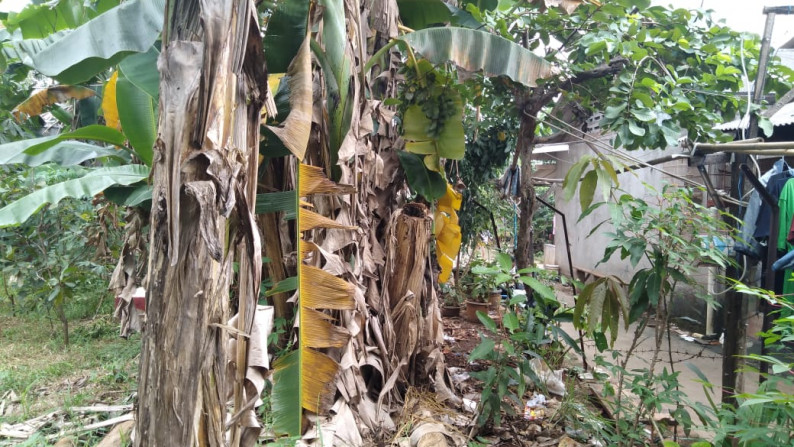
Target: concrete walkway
706, 358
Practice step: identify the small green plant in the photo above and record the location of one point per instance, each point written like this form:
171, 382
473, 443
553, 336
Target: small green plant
485, 277
451, 295
524, 333
673, 235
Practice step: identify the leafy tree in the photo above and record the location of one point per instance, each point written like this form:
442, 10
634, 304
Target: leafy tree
653, 71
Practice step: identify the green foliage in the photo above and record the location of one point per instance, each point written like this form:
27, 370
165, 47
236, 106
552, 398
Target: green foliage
606, 302
287, 21
451, 295
14, 88
665, 239
420, 14
674, 236
482, 277
650, 393
430, 184
92, 182
432, 126
764, 417
338, 93
58, 256
489, 144
137, 115
476, 50
653, 71
72, 55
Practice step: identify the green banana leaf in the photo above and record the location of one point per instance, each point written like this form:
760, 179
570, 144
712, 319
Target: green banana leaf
476, 50
273, 202
285, 397
9, 151
75, 56
137, 116
35, 146
285, 285
429, 184
132, 195
335, 42
70, 153
289, 20
420, 14
89, 185
141, 70
44, 18
94, 132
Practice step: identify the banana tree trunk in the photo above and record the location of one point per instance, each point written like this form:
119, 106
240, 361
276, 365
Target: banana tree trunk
204, 173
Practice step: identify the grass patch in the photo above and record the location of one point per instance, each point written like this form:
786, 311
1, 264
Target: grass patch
97, 366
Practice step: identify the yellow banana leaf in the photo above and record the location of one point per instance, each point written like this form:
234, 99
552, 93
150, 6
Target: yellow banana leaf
314, 181
309, 220
40, 99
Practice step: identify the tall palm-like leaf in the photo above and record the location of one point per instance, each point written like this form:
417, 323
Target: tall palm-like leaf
307, 373
336, 44
289, 20
136, 111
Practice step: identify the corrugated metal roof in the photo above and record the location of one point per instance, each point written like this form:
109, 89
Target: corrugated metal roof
783, 117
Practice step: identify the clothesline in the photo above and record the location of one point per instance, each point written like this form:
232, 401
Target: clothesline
770, 216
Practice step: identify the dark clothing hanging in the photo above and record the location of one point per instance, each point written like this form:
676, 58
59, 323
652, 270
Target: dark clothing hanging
774, 187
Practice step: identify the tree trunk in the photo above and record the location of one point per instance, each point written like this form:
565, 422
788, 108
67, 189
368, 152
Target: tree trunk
204, 174
408, 252
526, 141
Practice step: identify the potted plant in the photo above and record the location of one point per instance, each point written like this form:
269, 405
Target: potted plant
452, 299
482, 284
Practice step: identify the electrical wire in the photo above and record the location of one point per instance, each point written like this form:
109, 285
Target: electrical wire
746, 80
608, 148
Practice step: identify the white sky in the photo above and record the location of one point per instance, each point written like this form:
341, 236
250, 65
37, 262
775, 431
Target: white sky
744, 15
741, 15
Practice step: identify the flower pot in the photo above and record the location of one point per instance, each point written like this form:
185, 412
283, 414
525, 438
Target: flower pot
472, 308
450, 311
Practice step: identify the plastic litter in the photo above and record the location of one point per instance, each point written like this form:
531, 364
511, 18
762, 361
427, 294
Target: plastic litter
552, 379
535, 408
469, 405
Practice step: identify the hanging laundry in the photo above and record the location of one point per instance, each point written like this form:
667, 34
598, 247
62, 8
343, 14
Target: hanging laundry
786, 205
774, 188
747, 244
